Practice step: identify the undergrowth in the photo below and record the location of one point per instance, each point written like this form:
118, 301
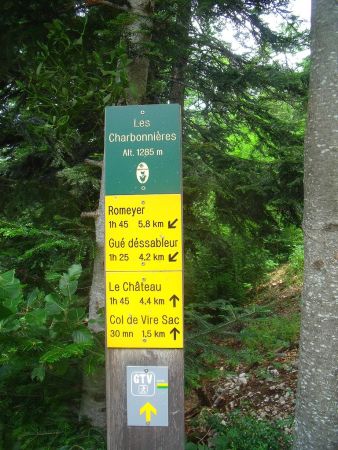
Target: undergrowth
238, 432
208, 331
246, 336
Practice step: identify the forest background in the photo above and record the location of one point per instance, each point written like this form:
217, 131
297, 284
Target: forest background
62, 62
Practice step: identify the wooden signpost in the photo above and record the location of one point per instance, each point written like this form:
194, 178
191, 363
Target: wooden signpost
144, 277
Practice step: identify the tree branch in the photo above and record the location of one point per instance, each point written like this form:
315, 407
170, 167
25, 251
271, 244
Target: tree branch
92, 162
90, 3
90, 215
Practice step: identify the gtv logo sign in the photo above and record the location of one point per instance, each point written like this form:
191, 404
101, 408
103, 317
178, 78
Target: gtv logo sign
143, 383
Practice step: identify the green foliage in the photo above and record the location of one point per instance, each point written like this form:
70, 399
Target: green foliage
289, 244
261, 337
237, 432
296, 264
62, 73
268, 334
243, 129
208, 328
236, 335
222, 260
60, 430
45, 343
10, 294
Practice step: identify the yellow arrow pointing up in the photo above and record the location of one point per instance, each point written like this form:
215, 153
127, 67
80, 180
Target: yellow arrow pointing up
148, 408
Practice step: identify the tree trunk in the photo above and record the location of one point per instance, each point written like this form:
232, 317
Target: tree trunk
178, 71
93, 401
138, 34
317, 405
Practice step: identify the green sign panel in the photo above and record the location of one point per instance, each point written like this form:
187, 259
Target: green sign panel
143, 150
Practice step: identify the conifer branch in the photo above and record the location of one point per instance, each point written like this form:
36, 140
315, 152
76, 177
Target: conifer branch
90, 215
90, 3
92, 162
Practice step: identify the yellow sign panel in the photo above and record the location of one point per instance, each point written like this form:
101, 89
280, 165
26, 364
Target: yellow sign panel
143, 232
144, 309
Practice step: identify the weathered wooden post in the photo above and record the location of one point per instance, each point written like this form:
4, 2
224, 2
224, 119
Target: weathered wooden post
144, 277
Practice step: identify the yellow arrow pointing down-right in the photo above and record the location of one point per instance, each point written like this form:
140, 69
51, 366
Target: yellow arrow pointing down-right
148, 408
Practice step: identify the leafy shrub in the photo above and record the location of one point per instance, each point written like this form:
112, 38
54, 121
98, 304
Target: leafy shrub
238, 432
45, 345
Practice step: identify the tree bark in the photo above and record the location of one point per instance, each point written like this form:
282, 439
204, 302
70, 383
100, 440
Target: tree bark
317, 399
138, 35
93, 401
178, 71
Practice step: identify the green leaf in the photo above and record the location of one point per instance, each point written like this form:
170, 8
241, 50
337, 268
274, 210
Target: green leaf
38, 70
10, 324
10, 291
36, 318
78, 41
4, 312
68, 282
68, 351
52, 307
82, 335
53, 355
32, 344
75, 271
9, 285
32, 296
38, 373
66, 286
76, 314
98, 321
106, 98
63, 120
